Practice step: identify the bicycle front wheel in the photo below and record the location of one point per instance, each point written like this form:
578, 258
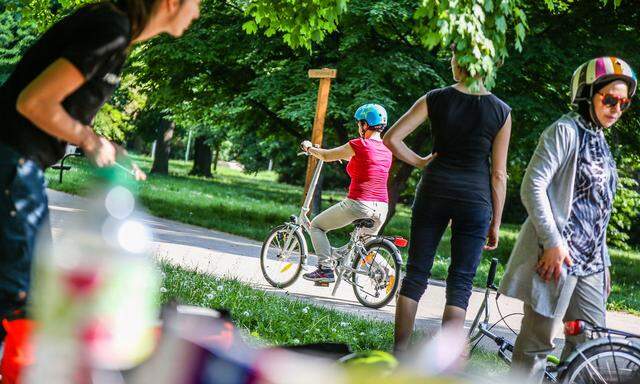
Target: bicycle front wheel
282, 256
376, 274
604, 363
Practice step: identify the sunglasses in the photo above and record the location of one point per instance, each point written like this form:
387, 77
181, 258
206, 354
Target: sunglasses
612, 101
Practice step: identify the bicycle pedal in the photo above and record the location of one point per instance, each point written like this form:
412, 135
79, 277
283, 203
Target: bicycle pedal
321, 284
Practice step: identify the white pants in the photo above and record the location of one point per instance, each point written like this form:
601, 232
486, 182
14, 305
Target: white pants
341, 215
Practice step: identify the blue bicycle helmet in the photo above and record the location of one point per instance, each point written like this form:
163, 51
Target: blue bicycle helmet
374, 114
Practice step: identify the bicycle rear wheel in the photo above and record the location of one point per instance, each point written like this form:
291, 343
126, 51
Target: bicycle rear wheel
282, 256
376, 274
604, 363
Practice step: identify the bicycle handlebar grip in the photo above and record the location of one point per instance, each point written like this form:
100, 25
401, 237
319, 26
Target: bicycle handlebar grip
492, 272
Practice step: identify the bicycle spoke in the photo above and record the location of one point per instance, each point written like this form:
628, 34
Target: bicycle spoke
375, 276
282, 257
591, 369
607, 367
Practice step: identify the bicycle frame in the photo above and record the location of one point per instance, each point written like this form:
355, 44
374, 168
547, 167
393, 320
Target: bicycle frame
484, 307
480, 328
503, 344
303, 224
306, 206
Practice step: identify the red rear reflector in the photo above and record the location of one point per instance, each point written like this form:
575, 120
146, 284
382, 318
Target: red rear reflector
400, 242
573, 328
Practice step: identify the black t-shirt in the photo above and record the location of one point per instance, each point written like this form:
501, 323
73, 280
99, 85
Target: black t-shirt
463, 127
94, 39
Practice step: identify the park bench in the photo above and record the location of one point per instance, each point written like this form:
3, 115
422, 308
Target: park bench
72, 151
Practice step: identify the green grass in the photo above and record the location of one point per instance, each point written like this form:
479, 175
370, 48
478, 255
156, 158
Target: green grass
249, 205
274, 318
281, 320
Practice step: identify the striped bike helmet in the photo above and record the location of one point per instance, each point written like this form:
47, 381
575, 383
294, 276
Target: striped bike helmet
600, 70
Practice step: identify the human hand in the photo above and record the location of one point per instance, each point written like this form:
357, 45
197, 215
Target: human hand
99, 150
550, 264
305, 145
424, 161
138, 174
493, 237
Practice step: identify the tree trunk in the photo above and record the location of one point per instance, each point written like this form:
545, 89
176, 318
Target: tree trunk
163, 147
201, 157
216, 157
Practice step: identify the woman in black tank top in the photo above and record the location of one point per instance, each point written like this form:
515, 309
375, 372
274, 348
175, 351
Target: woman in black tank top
459, 185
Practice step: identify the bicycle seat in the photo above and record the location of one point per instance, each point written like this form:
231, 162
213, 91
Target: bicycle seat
364, 223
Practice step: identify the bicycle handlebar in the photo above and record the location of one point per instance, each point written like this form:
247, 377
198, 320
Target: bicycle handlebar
492, 272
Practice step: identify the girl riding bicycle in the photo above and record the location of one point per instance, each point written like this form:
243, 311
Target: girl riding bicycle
369, 164
560, 264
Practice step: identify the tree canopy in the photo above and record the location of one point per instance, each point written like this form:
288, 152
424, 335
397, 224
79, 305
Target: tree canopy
239, 75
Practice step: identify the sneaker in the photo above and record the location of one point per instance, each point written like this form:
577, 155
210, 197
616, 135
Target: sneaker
320, 275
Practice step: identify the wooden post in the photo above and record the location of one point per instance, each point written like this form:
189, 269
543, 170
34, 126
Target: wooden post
325, 75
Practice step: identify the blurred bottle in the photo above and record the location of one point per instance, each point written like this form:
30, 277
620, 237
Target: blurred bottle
95, 294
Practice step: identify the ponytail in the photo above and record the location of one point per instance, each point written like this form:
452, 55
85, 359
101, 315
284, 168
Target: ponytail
138, 11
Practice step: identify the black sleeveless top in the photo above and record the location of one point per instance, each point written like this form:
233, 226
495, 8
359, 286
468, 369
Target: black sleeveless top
463, 127
95, 40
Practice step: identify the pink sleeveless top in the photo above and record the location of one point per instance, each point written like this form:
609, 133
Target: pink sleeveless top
369, 170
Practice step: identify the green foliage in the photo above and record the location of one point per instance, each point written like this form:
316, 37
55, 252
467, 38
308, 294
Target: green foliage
257, 90
252, 91
564, 5
42, 13
116, 119
15, 38
112, 123
302, 23
479, 30
535, 83
626, 206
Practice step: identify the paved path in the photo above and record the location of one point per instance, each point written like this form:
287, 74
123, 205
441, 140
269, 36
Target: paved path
223, 254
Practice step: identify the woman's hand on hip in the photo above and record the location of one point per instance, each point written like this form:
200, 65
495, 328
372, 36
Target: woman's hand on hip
550, 264
424, 161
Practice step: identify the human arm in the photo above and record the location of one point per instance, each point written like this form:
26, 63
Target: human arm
41, 103
550, 154
499, 152
394, 138
343, 152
